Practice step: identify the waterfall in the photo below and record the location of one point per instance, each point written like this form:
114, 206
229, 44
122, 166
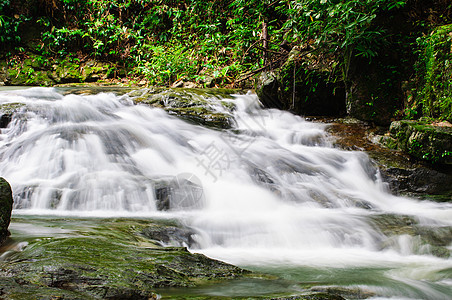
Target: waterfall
271, 191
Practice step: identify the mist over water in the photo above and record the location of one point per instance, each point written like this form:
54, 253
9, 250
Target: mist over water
270, 193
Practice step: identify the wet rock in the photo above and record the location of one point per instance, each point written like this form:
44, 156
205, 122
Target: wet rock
6, 112
423, 239
169, 235
203, 107
419, 180
312, 296
333, 292
6, 205
424, 141
181, 192
110, 260
403, 174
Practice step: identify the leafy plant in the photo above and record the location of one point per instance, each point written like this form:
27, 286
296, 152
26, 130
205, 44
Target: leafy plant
434, 71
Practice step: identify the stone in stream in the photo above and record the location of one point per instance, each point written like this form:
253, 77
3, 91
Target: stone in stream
183, 191
111, 259
6, 205
198, 106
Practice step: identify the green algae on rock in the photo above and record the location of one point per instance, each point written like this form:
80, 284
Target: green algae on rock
113, 260
423, 140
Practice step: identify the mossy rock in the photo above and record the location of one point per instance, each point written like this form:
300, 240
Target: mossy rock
108, 260
33, 71
6, 205
423, 140
199, 106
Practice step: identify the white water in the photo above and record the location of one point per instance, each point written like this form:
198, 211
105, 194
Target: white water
272, 193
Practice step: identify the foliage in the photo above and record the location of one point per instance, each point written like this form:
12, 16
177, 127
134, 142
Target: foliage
343, 28
433, 96
159, 38
9, 26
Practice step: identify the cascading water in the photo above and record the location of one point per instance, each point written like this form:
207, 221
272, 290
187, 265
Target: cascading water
270, 194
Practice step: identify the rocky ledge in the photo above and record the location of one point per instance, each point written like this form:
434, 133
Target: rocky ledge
112, 259
404, 173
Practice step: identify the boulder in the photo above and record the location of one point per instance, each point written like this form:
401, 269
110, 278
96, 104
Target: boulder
110, 259
430, 142
6, 205
200, 106
6, 112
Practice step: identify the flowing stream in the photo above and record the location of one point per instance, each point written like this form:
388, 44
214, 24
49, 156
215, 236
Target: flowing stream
271, 194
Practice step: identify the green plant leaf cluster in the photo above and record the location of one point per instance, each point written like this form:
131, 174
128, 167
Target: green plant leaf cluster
343, 28
433, 95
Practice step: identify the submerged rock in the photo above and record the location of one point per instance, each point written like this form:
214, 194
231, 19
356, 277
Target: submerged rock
181, 192
405, 232
6, 205
169, 235
109, 261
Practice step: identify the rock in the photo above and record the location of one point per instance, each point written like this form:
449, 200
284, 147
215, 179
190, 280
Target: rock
170, 235
189, 85
93, 71
182, 192
302, 87
337, 293
6, 112
178, 84
423, 141
203, 107
419, 181
403, 174
111, 259
313, 296
6, 206
373, 95
424, 239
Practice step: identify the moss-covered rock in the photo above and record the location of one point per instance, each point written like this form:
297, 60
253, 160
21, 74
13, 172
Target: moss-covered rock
37, 70
403, 174
423, 140
6, 205
373, 90
200, 106
109, 261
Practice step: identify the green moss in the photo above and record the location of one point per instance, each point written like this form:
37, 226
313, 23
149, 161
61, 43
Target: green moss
193, 105
424, 141
109, 260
